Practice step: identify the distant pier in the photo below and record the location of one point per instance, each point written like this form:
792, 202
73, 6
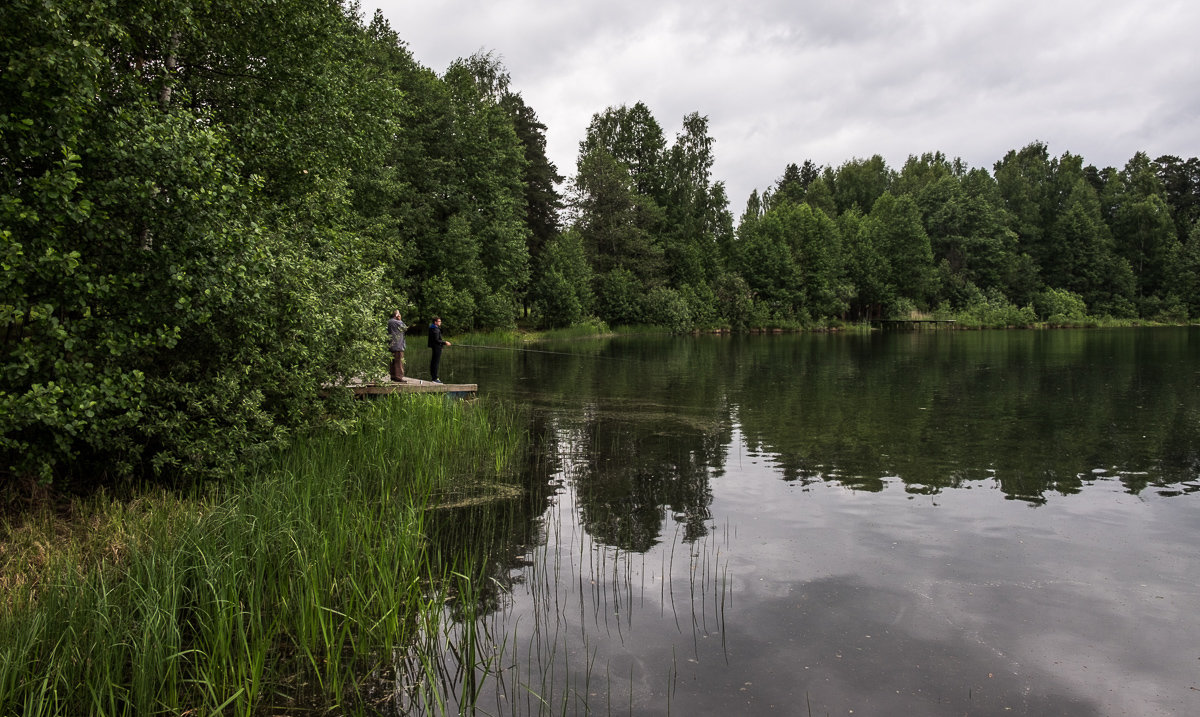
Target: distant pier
910, 323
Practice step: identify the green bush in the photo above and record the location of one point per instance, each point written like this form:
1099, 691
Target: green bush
496, 312
455, 307
735, 301
901, 308
620, 298
556, 304
993, 310
1169, 310
1059, 306
701, 306
669, 309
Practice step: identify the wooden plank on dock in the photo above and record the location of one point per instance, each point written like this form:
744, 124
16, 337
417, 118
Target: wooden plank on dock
416, 385
366, 388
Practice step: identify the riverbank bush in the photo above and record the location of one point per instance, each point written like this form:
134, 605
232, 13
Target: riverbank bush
1059, 306
287, 588
989, 311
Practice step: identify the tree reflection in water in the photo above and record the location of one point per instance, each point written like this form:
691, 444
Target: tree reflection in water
612, 581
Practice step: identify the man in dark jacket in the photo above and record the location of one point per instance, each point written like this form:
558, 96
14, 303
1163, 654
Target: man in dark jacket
436, 342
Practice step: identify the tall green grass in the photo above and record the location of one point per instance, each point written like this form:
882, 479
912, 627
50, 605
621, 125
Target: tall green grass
585, 329
287, 589
590, 328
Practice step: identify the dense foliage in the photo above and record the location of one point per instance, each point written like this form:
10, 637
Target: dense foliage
206, 209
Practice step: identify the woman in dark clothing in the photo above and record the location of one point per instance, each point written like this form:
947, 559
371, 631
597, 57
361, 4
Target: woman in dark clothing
396, 344
436, 342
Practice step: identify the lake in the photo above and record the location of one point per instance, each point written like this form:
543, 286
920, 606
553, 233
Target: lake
899, 523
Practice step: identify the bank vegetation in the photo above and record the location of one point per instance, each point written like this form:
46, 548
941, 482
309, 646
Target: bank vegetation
303, 586
207, 211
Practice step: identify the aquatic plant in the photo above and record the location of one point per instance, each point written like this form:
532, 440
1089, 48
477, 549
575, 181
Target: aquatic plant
288, 587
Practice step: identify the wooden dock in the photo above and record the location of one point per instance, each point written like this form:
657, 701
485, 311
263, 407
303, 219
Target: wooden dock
382, 387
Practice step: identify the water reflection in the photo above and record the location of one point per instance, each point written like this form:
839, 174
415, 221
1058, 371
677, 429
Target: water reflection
814, 524
1038, 413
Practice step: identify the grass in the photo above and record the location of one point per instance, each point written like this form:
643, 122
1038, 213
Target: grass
520, 337
595, 328
968, 321
288, 588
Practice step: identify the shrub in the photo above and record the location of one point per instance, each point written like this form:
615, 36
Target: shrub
620, 298
669, 309
735, 301
457, 308
701, 305
556, 304
1059, 306
996, 311
495, 311
1171, 310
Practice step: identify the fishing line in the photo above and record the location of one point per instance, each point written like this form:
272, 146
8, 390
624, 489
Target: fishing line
543, 351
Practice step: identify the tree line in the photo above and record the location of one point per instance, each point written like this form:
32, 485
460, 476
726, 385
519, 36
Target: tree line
208, 209
1039, 238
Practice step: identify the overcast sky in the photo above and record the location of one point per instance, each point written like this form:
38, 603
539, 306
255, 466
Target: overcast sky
832, 80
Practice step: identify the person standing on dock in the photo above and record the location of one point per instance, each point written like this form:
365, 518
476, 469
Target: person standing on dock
396, 344
436, 342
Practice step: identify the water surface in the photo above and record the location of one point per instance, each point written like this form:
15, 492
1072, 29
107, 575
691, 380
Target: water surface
936, 523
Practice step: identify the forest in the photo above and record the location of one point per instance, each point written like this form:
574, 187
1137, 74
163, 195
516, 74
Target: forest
207, 211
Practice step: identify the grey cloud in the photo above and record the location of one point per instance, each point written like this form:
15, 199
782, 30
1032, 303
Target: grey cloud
785, 81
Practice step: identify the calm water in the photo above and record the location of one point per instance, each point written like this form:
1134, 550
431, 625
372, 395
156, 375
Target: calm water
934, 523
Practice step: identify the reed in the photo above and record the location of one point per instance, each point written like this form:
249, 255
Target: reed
500, 337
591, 328
285, 589
584, 329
